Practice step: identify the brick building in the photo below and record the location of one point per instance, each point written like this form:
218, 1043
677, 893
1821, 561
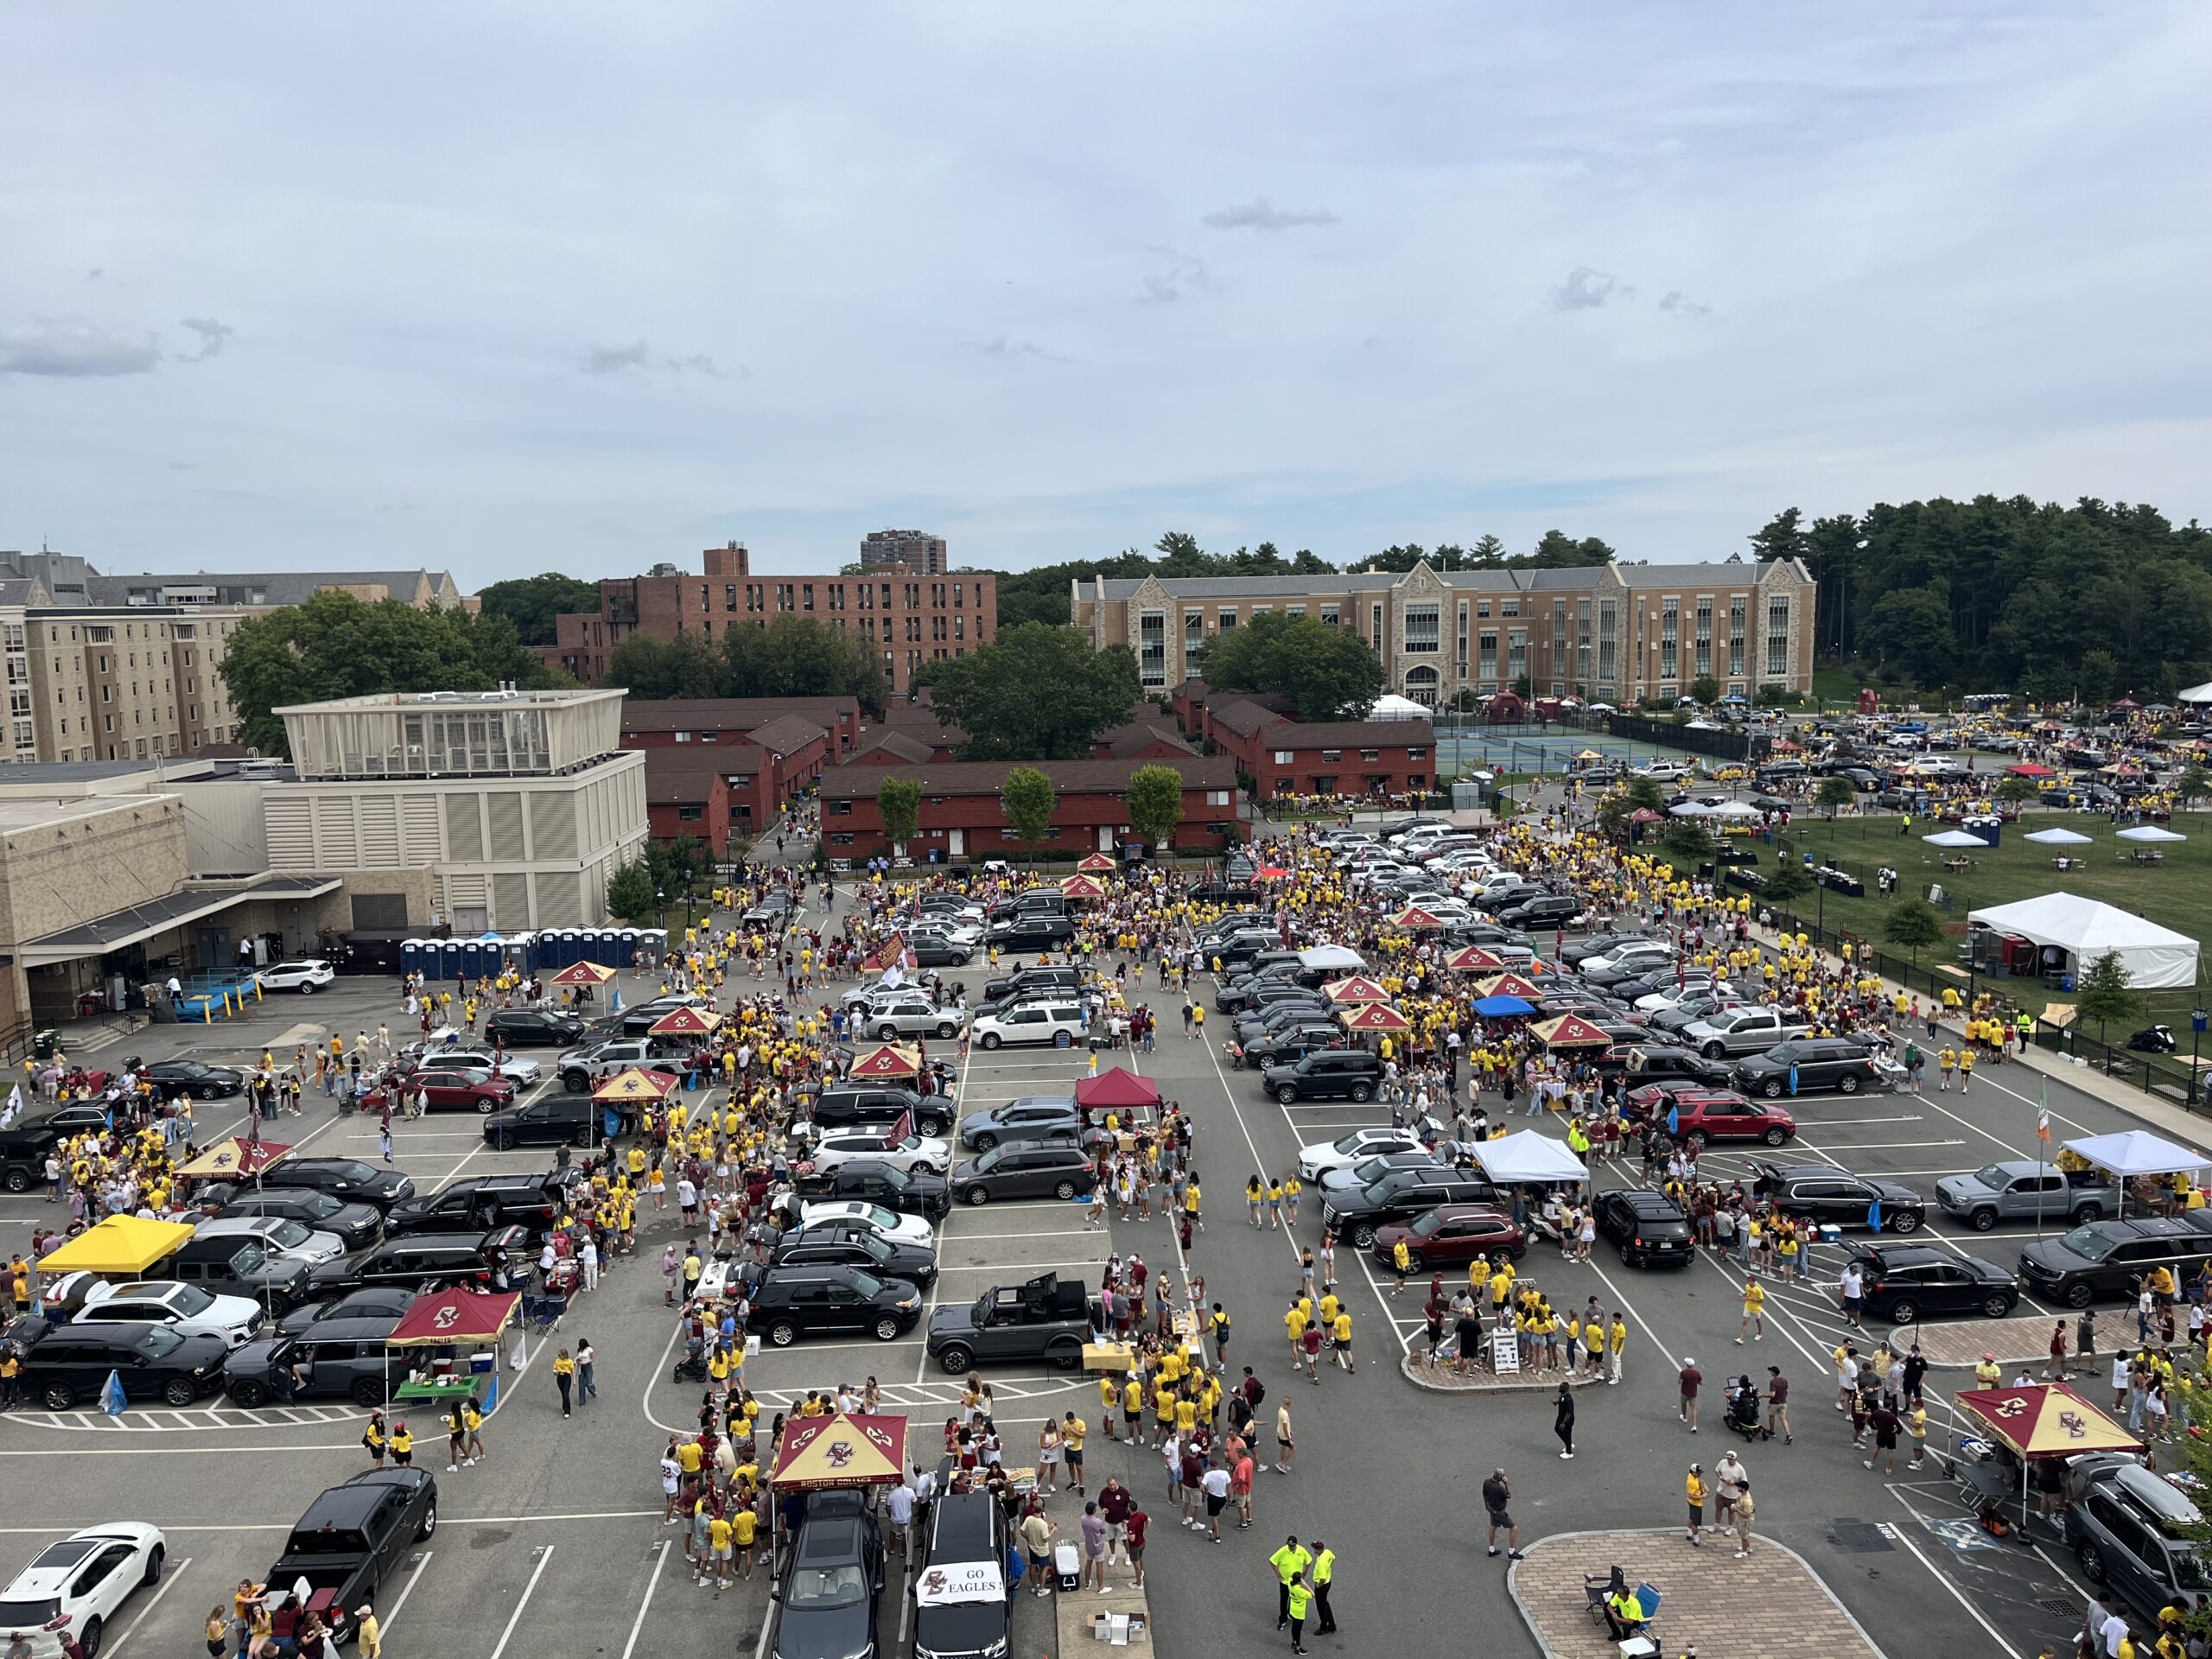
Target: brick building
1612, 632
903, 549
651, 723
908, 619
1367, 757
719, 766
962, 815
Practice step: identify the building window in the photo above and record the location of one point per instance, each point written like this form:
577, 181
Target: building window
1152, 647
1705, 633
1670, 629
1370, 754
1777, 636
1418, 752
1225, 619
1218, 797
1286, 757
840, 808
1486, 660
1194, 635
1330, 757
1330, 616
1460, 656
1421, 637
1736, 607
1516, 653
1509, 607
689, 814
1375, 626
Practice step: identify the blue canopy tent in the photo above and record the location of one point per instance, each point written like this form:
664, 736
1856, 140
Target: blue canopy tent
1503, 1007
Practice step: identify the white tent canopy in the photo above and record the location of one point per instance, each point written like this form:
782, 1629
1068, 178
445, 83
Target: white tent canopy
1954, 838
2151, 832
2157, 958
1391, 706
2195, 694
2137, 1151
1528, 1156
2060, 837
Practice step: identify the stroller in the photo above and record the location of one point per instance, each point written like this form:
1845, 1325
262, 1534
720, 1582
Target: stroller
1743, 1411
692, 1368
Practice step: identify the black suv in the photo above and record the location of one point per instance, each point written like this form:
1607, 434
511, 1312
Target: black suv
1399, 1196
485, 1259
1035, 932
534, 1028
846, 1105
479, 1202
1034, 979
23, 1157
1823, 1192
1901, 1282
850, 1244
1648, 1227
825, 1603
960, 1597
548, 1120
789, 1303
1292, 1043
196, 1078
1333, 1074
342, 1177
2108, 1258
1024, 1170
356, 1226
66, 1365
1548, 910
1821, 1064
331, 1359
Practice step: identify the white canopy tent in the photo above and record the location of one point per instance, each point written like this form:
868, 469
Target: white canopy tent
2137, 1151
1954, 838
1391, 706
2151, 832
2082, 930
2195, 694
1528, 1156
2059, 837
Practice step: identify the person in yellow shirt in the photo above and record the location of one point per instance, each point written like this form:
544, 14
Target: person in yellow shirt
1693, 1490
719, 1534
1341, 1327
743, 1527
1965, 1067
1754, 1319
1131, 1408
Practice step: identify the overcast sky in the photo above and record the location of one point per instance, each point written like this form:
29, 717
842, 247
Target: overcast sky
508, 288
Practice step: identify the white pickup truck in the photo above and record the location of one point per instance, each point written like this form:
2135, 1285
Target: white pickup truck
1742, 1031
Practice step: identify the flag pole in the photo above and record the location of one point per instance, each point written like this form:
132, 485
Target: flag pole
2043, 1148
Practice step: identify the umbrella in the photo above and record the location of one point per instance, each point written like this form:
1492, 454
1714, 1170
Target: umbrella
633, 1084
1357, 989
1413, 917
1376, 1016
684, 1023
1954, 838
1644, 815
1503, 1007
453, 1316
1093, 864
2059, 838
1474, 957
887, 1060
584, 973
2151, 832
1572, 1031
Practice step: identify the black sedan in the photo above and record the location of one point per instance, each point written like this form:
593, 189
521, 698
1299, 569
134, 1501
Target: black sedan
534, 1028
1823, 1192
192, 1078
1904, 1282
342, 1177
1650, 1229
826, 1601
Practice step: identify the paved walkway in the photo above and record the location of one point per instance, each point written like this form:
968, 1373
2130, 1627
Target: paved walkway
2023, 1339
1442, 1379
1772, 1606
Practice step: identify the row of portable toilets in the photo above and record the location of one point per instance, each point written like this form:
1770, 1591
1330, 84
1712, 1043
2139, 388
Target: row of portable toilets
545, 952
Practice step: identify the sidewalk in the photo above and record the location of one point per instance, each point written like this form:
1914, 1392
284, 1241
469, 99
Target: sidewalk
1772, 1606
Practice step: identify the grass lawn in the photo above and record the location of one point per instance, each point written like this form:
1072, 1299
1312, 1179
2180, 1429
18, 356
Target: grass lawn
2177, 893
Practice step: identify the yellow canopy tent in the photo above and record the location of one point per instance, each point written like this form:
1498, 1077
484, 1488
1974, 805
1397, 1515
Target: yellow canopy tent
121, 1244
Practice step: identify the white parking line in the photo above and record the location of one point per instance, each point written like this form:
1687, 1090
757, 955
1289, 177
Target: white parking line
646, 1606
147, 1612
1020, 1267
384, 1624
1874, 1145
515, 1617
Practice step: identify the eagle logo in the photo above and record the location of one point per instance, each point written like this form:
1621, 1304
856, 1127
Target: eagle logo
447, 1317
841, 1453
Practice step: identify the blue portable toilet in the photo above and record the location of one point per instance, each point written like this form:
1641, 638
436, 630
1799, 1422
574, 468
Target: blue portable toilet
411, 956
592, 946
625, 948
472, 957
452, 958
557, 949
651, 942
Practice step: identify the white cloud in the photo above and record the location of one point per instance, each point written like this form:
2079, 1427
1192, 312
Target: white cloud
1260, 214
69, 348
1586, 289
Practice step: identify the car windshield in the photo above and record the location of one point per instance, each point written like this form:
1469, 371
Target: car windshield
352, 1171
826, 1587
878, 1215
1993, 1175
320, 1204
188, 1299
288, 1235
1424, 1225
249, 1261
159, 1342
1352, 1143
2092, 1242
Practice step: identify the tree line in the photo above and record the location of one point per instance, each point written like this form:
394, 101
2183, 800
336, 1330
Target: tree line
788, 657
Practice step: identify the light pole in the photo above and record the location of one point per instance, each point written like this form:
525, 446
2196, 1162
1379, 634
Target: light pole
660, 899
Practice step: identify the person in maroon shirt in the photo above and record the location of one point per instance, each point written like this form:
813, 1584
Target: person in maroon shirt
1194, 1471
1137, 1522
1691, 1377
1114, 1502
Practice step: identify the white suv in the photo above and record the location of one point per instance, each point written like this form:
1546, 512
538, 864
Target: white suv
1061, 1024
306, 976
186, 1309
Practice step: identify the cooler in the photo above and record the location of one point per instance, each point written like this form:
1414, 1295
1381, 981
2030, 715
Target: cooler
1067, 1568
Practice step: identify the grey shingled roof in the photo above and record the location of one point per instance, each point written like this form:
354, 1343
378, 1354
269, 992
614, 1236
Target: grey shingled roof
788, 735
850, 782
280, 586
897, 744
1243, 716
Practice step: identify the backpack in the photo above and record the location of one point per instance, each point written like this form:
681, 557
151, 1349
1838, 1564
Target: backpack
1255, 1391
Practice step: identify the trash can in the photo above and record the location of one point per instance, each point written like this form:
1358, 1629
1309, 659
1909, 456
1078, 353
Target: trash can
1067, 1568
44, 1043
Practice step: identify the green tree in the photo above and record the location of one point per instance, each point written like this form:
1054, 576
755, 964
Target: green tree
1155, 805
1034, 694
335, 645
652, 669
1029, 800
1330, 673
1644, 794
687, 860
2017, 792
1686, 844
1910, 631
1772, 696
1833, 795
1613, 815
631, 893
898, 804
1789, 884
801, 656
1487, 553
2194, 786
530, 603
1705, 689
2106, 991
1913, 924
